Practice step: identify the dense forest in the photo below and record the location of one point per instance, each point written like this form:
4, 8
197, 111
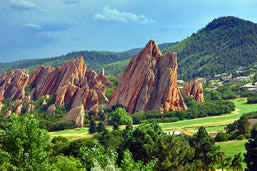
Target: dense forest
224, 44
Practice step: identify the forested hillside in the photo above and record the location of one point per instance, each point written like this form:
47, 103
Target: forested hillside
223, 45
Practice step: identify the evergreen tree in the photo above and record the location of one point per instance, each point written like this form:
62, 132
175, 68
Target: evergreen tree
92, 128
205, 150
100, 127
237, 162
243, 125
251, 150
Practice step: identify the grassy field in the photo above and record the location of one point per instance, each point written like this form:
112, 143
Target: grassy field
232, 147
213, 124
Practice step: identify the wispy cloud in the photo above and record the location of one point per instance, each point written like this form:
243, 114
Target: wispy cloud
22, 4
33, 26
47, 27
109, 14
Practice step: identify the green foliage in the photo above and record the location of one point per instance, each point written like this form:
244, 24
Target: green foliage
92, 127
221, 136
196, 110
239, 129
115, 81
97, 158
251, 148
224, 162
144, 142
74, 146
128, 164
252, 99
26, 143
119, 117
205, 149
237, 162
110, 138
222, 46
65, 163
100, 127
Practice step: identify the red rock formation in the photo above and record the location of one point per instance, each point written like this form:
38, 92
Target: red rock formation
149, 83
194, 88
71, 83
51, 109
76, 114
13, 84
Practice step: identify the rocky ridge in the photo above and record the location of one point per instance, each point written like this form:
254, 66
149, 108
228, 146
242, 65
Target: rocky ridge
194, 88
71, 84
149, 83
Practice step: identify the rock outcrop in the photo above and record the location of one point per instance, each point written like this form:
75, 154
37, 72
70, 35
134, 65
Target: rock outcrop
1, 106
194, 88
13, 84
72, 84
51, 109
149, 83
76, 114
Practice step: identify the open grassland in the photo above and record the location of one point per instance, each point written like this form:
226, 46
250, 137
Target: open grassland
72, 133
213, 124
232, 147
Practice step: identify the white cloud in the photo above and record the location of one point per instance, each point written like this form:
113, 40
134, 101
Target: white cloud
109, 14
33, 26
22, 4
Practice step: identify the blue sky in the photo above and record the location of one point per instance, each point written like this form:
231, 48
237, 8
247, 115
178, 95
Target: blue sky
47, 28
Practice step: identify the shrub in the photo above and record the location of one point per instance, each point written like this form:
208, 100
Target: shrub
221, 136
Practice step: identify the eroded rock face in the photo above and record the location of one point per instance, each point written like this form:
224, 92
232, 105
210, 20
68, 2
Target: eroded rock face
72, 85
76, 114
149, 83
13, 84
51, 109
194, 88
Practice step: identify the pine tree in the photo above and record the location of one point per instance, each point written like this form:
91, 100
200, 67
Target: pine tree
237, 162
205, 150
92, 128
251, 150
100, 127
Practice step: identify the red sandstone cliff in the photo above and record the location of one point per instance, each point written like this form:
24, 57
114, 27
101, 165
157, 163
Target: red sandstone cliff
149, 83
194, 88
13, 84
72, 84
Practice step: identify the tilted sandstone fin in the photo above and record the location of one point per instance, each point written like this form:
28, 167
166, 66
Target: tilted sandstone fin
76, 114
194, 88
149, 83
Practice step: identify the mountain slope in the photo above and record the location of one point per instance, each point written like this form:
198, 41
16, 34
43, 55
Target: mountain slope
94, 59
223, 45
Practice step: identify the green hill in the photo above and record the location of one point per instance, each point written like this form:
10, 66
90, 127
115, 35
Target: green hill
223, 45
93, 59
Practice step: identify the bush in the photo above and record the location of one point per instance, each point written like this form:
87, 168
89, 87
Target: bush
221, 136
240, 137
252, 99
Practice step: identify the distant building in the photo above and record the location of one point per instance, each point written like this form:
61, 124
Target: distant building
250, 87
180, 81
242, 79
202, 80
215, 84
